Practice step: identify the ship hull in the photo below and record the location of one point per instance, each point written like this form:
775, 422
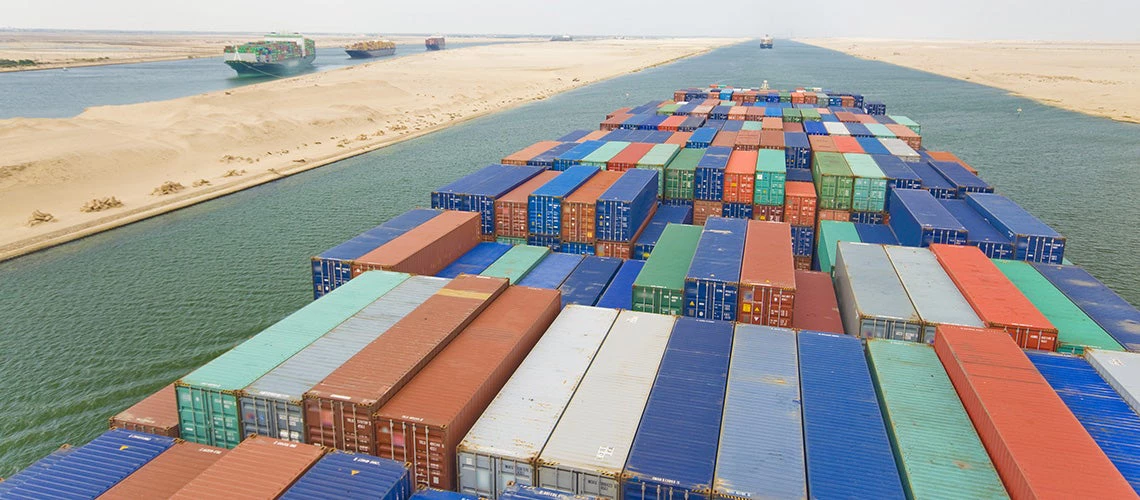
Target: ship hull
283, 68
434, 45
366, 54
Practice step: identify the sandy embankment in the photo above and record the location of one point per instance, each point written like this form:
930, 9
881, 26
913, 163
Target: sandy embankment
249, 135
1101, 79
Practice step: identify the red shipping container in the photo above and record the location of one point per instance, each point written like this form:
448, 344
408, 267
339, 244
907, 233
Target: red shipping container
816, 307
737, 113
629, 156
754, 113
822, 144
740, 177
511, 208
259, 467
797, 97
1038, 447
426, 249
523, 156
713, 100
770, 213
702, 210
748, 96
810, 98
803, 262
772, 123
156, 414
670, 124
767, 275
613, 123
593, 136
725, 138
865, 119
623, 249
579, 209
847, 144
799, 203
772, 139
619, 111
997, 301
839, 215
167, 473
678, 95
948, 156
679, 138
847, 101
845, 116
794, 127
823, 111
424, 423
338, 411
907, 135
747, 140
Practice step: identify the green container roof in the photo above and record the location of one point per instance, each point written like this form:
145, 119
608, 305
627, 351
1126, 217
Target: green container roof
791, 112
516, 263
686, 159
831, 232
751, 125
1075, 330
879, 130
668, 109
771, 160
237, 368
934, 441
862, 165
902, 120
833, 164
659, 155
810, 114
669, 261
605, 153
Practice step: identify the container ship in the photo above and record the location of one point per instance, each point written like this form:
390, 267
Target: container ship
562, 38
371, 48
766, 42
434, 42
729, 237
279, 54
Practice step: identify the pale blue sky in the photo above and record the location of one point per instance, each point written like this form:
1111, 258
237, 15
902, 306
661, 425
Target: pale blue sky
971, 19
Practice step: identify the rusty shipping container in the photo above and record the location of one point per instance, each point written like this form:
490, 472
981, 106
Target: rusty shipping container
167, 473
799, 203
338, 411
767, 276
816, 308
259, 467
156, 414
740, 177
580, 208
702, 210
510, 209
426, 249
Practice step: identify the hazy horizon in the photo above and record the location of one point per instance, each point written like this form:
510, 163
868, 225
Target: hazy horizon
1097, 20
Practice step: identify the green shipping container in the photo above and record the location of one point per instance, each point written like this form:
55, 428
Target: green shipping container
604, 154
771, 174
656, 159
911, 124
208, 397
679, 174
810, 115
833, 181
668, 109
660, 286
727, 103
936, 447
516, 263
831, 232
785, 96
880, 131
1075, 330
751, 125
510, 240
792, 115
869, 188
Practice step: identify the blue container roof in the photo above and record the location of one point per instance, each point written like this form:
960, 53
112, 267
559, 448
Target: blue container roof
885, 120
721, 109
797, 139
554, 152
1014, 217
89, 470
925, 208
475, 260
872, 146
716, 157
520, 492
815, 128
857, 129
876, 233
657, 136
958, 175
585, 285
620, 134
798, 175
379, 235
1119, 318
845, 440
703, 134
719, 251
619, 293
686, 108
647, 107
930, 177
566, 182
433, 494
636, 119
826, 117
895, 168
582, 150
552, 271
574, 135
677, 214
978, 230
631, 183
774, 111
349, 475
733, 125
692, 121
463, 184
717, 124
511, 177
654, 120
676, 442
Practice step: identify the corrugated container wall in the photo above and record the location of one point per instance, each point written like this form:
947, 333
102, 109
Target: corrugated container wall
551, 271
89, 470
544, 205
511, 218
516, 263
475, 260
585, 285
333, 267
1121, 370
1033, 240
167, 473
1119, 318
660, 286
619, 293
713, 279
258, 468
816, 307
918, 220
427, 249
349, 475
767, 276
932, 293
872, 300
579, 210
156, 414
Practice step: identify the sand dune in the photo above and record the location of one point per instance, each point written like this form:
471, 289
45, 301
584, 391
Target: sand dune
245, 136
1101, 79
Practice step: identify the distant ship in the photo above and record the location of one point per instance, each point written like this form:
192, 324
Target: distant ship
371, 48
279, 54
766, 42
561, 38
434, 42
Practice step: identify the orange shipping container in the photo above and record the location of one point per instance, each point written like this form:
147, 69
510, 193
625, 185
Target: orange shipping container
714, 101
997, 300
816, 307
794, 127
702, 110
1040, 450
845, 116
523, 156
628, 157
948, 156
725, 138
679, 138
767, 275
338, 410
619, 111
907, 135
846, 144
623, 249
737, 113
167, 473
839, 215
772, 123
593, 136
822, 144
748, 140
772, 139
427, 249
754, 113
803, 262
670, 124
423, 424
156, 414
613, 122
847, 101
740, 177
810, 98
702, 210
259, 467
511, 208
799, 203
865, 119
579, 209
797, 97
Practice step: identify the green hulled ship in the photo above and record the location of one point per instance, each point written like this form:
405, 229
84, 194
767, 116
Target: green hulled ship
280, 54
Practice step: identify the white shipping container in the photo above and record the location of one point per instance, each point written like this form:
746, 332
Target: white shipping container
503, 445
587, 450
872, 300
1121, 370
836, 128
899, 148
932, 292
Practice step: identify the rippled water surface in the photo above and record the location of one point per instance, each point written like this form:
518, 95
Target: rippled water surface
88, 328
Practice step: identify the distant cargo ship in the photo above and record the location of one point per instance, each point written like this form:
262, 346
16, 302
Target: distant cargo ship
279, 54
371, 48
562, 38
434, 42
766, 42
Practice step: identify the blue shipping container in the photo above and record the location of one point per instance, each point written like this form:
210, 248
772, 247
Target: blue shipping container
732, 125
1104, 414
450, 196
546, 159
482, 197
574, 155
89, 470
635, 120
761, 453
898, 172
713, 279
333, 267
349, 475
574, 135
544, 205
708, 180
797, 150
619, 293
676, 214
876, 233
649, 107
657, 136
520, 492
858, 130
799, 175
867, 217
434, 494
962, 179
540, 240
620, 134
578, 248
719, 112
736, 210
1033, 240
918, 220
815, 128
872, 146
686, 108
691, 123
701, 138
979, 233
475, 260
621, 209
803, 240
585, 285
933, 181
1119, 318
845, 440
674, 450
552, 271
652, 122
